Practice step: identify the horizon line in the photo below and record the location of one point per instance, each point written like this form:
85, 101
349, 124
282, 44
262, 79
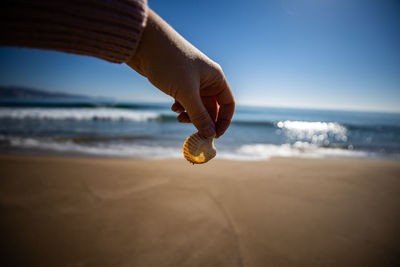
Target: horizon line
238, 103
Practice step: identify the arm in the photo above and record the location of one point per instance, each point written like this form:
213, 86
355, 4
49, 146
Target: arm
198, 85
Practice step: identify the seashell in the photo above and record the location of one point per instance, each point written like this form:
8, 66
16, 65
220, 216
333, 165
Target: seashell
198, 149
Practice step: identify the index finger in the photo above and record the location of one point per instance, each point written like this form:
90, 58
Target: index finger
226, 109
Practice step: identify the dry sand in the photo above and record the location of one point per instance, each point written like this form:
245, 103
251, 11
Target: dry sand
60, 211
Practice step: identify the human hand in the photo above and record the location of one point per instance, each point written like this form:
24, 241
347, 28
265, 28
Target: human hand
198, 85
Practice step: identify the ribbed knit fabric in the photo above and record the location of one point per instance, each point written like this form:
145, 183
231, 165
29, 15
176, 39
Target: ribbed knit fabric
106, 29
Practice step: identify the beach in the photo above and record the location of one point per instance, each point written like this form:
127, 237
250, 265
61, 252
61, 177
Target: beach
77, 211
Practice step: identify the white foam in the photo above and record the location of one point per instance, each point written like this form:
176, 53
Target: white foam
310, 136
77, 114
249, 152
102, 149
316, 132
299, 149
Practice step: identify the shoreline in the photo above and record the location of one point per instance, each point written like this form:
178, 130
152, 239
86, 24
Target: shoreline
83, 211
22, 152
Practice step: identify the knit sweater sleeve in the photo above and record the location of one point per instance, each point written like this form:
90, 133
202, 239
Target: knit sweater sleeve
106, 29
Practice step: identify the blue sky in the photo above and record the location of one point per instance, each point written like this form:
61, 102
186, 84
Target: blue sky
341, 54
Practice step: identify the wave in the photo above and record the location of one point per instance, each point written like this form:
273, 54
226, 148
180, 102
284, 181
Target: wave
98, 149
247, 152
113, 113
255, 152
318, 131
77, 114
100, 139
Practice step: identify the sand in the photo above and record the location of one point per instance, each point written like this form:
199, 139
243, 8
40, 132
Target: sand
71, 211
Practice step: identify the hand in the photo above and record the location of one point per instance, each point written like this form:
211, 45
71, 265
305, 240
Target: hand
198, 85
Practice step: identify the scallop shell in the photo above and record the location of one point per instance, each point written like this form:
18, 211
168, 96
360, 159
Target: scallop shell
198, 149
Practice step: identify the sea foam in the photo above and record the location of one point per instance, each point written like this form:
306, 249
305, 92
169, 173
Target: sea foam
98, 149
247, 152
113, 114
299, 149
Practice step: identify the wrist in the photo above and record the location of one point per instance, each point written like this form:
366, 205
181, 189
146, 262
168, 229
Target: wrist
161, 47
135, 61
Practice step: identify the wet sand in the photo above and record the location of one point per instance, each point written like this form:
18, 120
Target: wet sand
71, 211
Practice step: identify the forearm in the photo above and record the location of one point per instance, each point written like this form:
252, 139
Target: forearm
159, 46
164, 55
106, 29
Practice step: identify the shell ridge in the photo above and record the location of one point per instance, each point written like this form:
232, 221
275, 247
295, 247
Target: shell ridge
198, 149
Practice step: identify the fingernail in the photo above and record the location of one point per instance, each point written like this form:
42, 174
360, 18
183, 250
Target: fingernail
209, 131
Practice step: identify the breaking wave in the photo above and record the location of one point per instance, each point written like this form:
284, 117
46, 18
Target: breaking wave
298, 149
143, 113
247, 152
97, 149
113, 114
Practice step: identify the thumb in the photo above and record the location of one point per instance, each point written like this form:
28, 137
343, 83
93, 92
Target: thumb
199, 115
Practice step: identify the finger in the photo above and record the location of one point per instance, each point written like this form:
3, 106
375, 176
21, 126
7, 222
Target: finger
183, 118
177, 107
226, 109
198, 114
210, 103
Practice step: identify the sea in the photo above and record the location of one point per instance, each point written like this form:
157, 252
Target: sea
150, 131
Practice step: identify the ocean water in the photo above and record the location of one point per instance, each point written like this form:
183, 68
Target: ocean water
137, 130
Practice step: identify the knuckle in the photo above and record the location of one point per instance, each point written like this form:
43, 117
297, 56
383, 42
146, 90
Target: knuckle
200, 116
218, 70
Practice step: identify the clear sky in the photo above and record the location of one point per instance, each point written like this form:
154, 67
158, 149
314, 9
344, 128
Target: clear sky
335, 54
